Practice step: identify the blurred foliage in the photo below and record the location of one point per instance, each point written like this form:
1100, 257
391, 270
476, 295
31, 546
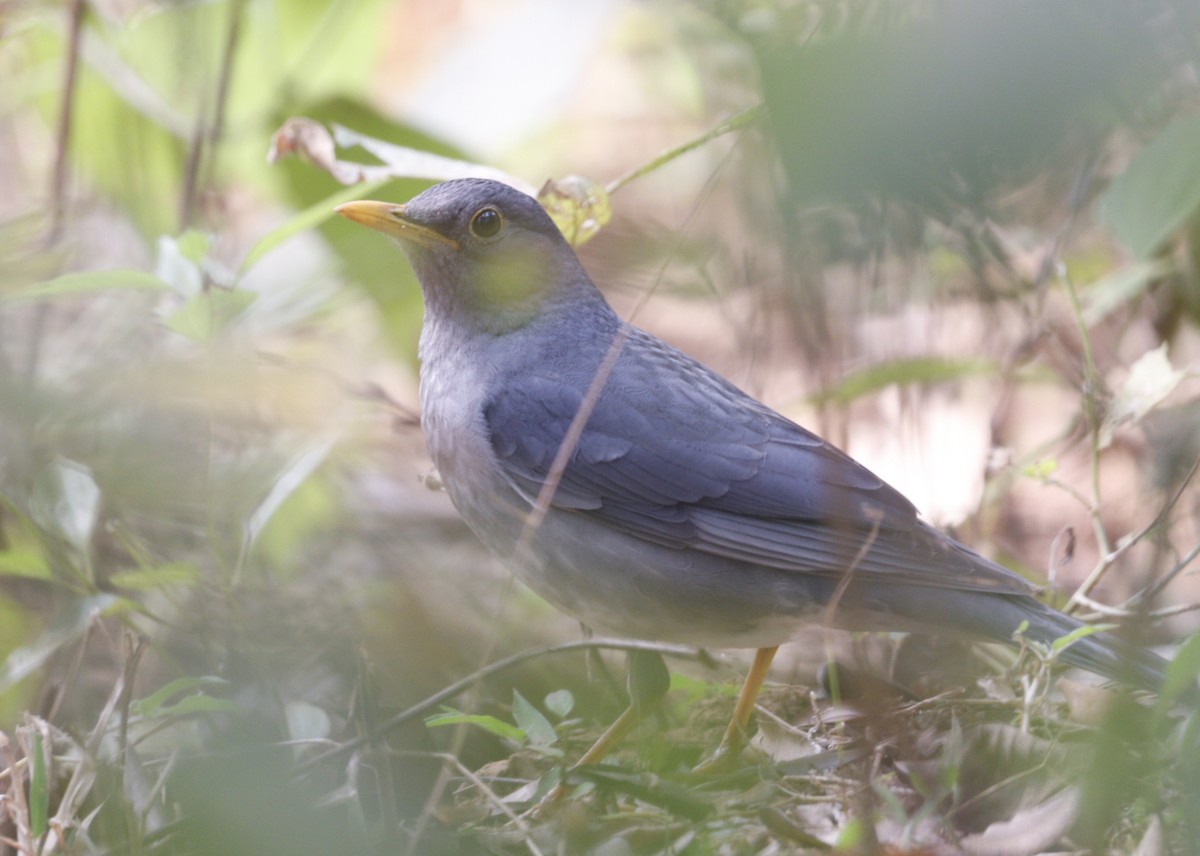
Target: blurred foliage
215, 561
943, 105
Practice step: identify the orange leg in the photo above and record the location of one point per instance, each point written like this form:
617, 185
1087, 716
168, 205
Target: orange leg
614, 734
735, 734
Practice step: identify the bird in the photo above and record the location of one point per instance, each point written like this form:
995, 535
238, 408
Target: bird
643, 494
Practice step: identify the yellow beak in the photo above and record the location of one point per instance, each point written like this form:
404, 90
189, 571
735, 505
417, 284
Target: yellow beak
389, 218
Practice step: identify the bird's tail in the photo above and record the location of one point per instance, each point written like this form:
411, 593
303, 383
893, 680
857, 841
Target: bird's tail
999, 616
1098, 652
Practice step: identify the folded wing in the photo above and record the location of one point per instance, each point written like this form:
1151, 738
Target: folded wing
675, 455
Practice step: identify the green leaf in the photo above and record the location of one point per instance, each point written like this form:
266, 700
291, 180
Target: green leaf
309, 218
918, 370
39, 789
82, 284
1078, 633
193, 245
70, 623
153, 704
1151, 379
674, 797
66, 501
293, 475
693, 689
539, 730
1040, 469
206, 314
174, 266
200, 704
560, 703
1159, 189
1181, 673
856, 834
490, 724
1106, 294
160, 576
24, 562
313, 507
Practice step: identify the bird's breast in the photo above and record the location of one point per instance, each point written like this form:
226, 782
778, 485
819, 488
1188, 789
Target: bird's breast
457, 379
453, 391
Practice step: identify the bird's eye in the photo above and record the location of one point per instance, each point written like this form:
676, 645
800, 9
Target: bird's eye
486, 223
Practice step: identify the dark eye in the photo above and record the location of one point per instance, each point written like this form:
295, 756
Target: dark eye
486, 223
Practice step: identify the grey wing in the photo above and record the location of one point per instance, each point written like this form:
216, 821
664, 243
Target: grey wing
675, 455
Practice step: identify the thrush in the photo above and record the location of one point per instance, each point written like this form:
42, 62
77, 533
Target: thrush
643, 494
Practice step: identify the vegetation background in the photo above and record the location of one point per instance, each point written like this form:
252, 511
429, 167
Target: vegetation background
961, 241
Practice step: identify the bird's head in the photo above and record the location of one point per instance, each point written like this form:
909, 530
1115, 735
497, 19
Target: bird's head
484, 253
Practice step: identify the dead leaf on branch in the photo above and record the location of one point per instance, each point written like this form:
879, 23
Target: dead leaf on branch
579, 207
312, 142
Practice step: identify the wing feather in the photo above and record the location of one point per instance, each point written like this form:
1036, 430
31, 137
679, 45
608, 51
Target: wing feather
715, 471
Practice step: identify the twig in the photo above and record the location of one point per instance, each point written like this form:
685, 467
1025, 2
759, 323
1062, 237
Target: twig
1070, 491
18, 805
1106, 611
1079, 196
62, 141
1180, 609
368, 391
1175, 571
835, 600
1091, 384
191, 172
203, 151
1159, 518
131, 666
1103, 609
570, 441
92, 746
488, 794
232, 37
742, 120
434, 798
366, 705
1110, 557
72, 674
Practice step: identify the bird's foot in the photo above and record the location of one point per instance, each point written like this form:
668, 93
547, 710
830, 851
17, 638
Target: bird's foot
725, 757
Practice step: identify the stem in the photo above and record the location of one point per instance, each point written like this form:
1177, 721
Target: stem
1091, 383
58, 187
202, 157
735, 123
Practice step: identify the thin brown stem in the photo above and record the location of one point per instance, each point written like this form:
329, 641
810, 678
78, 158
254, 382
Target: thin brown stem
216, 129
736, 123
1091, 387
451, 760
62, 141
